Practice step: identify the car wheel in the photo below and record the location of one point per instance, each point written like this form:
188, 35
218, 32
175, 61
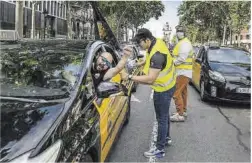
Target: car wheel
190, 82
128, 112
202, 91
86, 158
134, 87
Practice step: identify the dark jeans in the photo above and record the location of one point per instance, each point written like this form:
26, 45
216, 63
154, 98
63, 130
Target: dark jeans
162, 102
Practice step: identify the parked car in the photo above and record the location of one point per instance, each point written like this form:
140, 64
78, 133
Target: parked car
52, 110
222, 73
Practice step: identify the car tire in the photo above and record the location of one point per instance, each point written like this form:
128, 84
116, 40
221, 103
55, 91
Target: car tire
128, 112
202, 91
134, 87
190, 82
86, 158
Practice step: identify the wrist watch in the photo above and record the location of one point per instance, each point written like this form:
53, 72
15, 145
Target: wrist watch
130, 77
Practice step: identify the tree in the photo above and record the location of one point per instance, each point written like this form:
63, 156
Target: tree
130, 14
214, 19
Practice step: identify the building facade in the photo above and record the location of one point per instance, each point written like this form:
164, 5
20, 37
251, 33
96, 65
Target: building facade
50, 18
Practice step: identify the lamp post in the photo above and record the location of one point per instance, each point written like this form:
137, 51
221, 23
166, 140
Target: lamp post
45, 12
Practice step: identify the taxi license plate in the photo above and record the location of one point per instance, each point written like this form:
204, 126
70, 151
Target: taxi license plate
243, 90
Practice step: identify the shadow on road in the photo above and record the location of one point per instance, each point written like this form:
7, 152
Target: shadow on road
229, 105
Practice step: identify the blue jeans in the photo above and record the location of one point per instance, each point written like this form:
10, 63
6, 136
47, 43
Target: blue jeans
162, 102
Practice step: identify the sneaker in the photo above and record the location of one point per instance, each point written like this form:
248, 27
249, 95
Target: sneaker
177, 118
184, 114
168, 141
155, 153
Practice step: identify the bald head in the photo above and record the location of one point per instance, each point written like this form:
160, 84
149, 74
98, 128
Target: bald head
108, 56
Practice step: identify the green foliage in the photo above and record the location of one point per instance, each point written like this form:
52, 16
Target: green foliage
130, 13
205, 20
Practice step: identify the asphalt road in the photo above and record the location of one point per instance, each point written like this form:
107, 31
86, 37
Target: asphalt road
213, 132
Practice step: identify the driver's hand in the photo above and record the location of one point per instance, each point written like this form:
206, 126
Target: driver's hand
124, 75
128, 51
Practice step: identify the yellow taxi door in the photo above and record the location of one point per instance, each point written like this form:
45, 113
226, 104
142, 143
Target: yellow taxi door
197, 68
112, 111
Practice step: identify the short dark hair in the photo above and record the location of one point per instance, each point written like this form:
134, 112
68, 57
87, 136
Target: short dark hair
142, 33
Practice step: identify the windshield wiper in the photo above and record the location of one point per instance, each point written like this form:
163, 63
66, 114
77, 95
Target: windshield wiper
216, 61
32, 100
240, 63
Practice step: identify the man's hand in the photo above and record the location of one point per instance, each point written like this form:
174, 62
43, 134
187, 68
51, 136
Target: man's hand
124, 75
128, 51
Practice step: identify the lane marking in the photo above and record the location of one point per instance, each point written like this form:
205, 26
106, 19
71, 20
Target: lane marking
133, 98
151, 95
153, 140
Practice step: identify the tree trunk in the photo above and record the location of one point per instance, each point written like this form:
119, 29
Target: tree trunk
231, 37
224, 35
69, 22
239, 39
19, 18
126, 30
33, 20
133, 33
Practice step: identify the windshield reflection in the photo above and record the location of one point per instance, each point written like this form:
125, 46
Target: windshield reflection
39, 72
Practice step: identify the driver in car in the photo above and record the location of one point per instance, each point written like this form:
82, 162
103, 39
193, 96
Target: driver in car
103, 65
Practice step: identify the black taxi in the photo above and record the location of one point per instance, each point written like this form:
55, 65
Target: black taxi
52, 110
222, 73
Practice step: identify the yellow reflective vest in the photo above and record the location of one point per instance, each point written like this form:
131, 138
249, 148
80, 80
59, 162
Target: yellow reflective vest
167, 77
188, 62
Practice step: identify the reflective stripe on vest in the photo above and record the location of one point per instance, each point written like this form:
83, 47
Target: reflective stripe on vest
188, 62
167, 77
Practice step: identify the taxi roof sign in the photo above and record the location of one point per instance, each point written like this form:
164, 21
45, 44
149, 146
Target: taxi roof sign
9, 35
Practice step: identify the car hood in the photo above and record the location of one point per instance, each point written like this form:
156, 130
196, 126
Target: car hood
23, 125
228, 69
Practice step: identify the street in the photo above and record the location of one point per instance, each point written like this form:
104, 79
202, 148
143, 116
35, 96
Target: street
211, 133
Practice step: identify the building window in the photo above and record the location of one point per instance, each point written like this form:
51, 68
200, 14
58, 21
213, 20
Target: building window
236, 38
64, 11
58, 6
26, 3
61, 11
44, 6
51, 8
241, 37
55, 8
48, 7
247, 37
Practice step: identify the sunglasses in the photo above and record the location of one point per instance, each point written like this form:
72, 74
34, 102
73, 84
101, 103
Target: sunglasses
105, 63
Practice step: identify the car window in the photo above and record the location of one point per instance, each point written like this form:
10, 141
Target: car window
227, 55
200, 53
39, 72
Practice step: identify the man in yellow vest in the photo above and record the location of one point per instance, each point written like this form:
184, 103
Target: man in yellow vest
159, 72
182, 53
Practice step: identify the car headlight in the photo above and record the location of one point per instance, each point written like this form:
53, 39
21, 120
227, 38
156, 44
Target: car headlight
216, 76
49, 155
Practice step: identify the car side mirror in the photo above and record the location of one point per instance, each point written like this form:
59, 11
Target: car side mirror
140, 56
198, 60
107, 89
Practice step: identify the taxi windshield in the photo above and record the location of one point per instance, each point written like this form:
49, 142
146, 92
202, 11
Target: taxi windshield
227, 55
